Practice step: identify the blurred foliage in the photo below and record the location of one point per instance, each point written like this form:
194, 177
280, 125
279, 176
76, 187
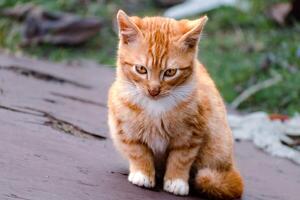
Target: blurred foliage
239, 48
242, 48
101, 48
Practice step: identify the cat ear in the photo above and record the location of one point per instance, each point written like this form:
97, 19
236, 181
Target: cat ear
128, 31
191, 38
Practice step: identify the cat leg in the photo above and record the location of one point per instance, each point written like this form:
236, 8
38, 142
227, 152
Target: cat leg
141, 164
140, 157
178, 167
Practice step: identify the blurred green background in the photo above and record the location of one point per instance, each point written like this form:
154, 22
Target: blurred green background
239, 48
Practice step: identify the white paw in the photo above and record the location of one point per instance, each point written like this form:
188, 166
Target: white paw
177, 186
140, 179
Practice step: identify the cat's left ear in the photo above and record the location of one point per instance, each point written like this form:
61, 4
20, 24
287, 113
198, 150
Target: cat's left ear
192, 37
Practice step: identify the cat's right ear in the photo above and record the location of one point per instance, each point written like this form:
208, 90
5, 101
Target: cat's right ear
128, 31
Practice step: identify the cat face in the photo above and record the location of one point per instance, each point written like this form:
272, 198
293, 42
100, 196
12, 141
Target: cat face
156, 54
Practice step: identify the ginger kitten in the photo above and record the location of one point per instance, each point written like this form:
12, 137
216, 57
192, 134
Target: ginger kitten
163, 104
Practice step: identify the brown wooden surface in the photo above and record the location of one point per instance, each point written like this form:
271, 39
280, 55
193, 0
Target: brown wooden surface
54, 141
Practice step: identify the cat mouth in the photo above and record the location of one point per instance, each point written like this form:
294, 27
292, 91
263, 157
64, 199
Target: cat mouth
157, 97
153, 97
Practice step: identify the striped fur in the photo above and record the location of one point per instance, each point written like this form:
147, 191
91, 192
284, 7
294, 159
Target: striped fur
184, 123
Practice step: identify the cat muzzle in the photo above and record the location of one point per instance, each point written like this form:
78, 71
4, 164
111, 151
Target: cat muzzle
154, 92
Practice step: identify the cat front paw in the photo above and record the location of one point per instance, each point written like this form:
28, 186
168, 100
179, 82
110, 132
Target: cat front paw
140, 179
177, 187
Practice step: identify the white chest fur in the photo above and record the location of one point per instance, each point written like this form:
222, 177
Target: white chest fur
149, 132
157, 144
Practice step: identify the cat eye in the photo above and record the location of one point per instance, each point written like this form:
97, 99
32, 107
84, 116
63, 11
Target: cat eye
141, 69
170, 72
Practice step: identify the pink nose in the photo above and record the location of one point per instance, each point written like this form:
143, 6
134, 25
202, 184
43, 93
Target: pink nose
154, 92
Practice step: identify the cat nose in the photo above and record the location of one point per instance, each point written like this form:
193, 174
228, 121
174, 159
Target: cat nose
154, 91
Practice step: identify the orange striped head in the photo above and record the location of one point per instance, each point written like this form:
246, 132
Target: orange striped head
156, 54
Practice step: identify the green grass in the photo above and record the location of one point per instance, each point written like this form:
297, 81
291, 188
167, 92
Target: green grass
234, 50
234, 47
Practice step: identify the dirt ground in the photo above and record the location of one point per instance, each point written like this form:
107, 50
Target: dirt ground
55, 143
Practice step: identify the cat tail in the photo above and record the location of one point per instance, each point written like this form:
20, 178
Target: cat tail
217, 184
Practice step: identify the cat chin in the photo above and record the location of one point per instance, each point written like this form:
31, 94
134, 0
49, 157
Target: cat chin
157, 106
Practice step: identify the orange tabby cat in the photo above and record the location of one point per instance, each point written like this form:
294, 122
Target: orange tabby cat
163, 104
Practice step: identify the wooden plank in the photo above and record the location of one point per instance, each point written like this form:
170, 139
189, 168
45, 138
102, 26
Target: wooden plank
42, 104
